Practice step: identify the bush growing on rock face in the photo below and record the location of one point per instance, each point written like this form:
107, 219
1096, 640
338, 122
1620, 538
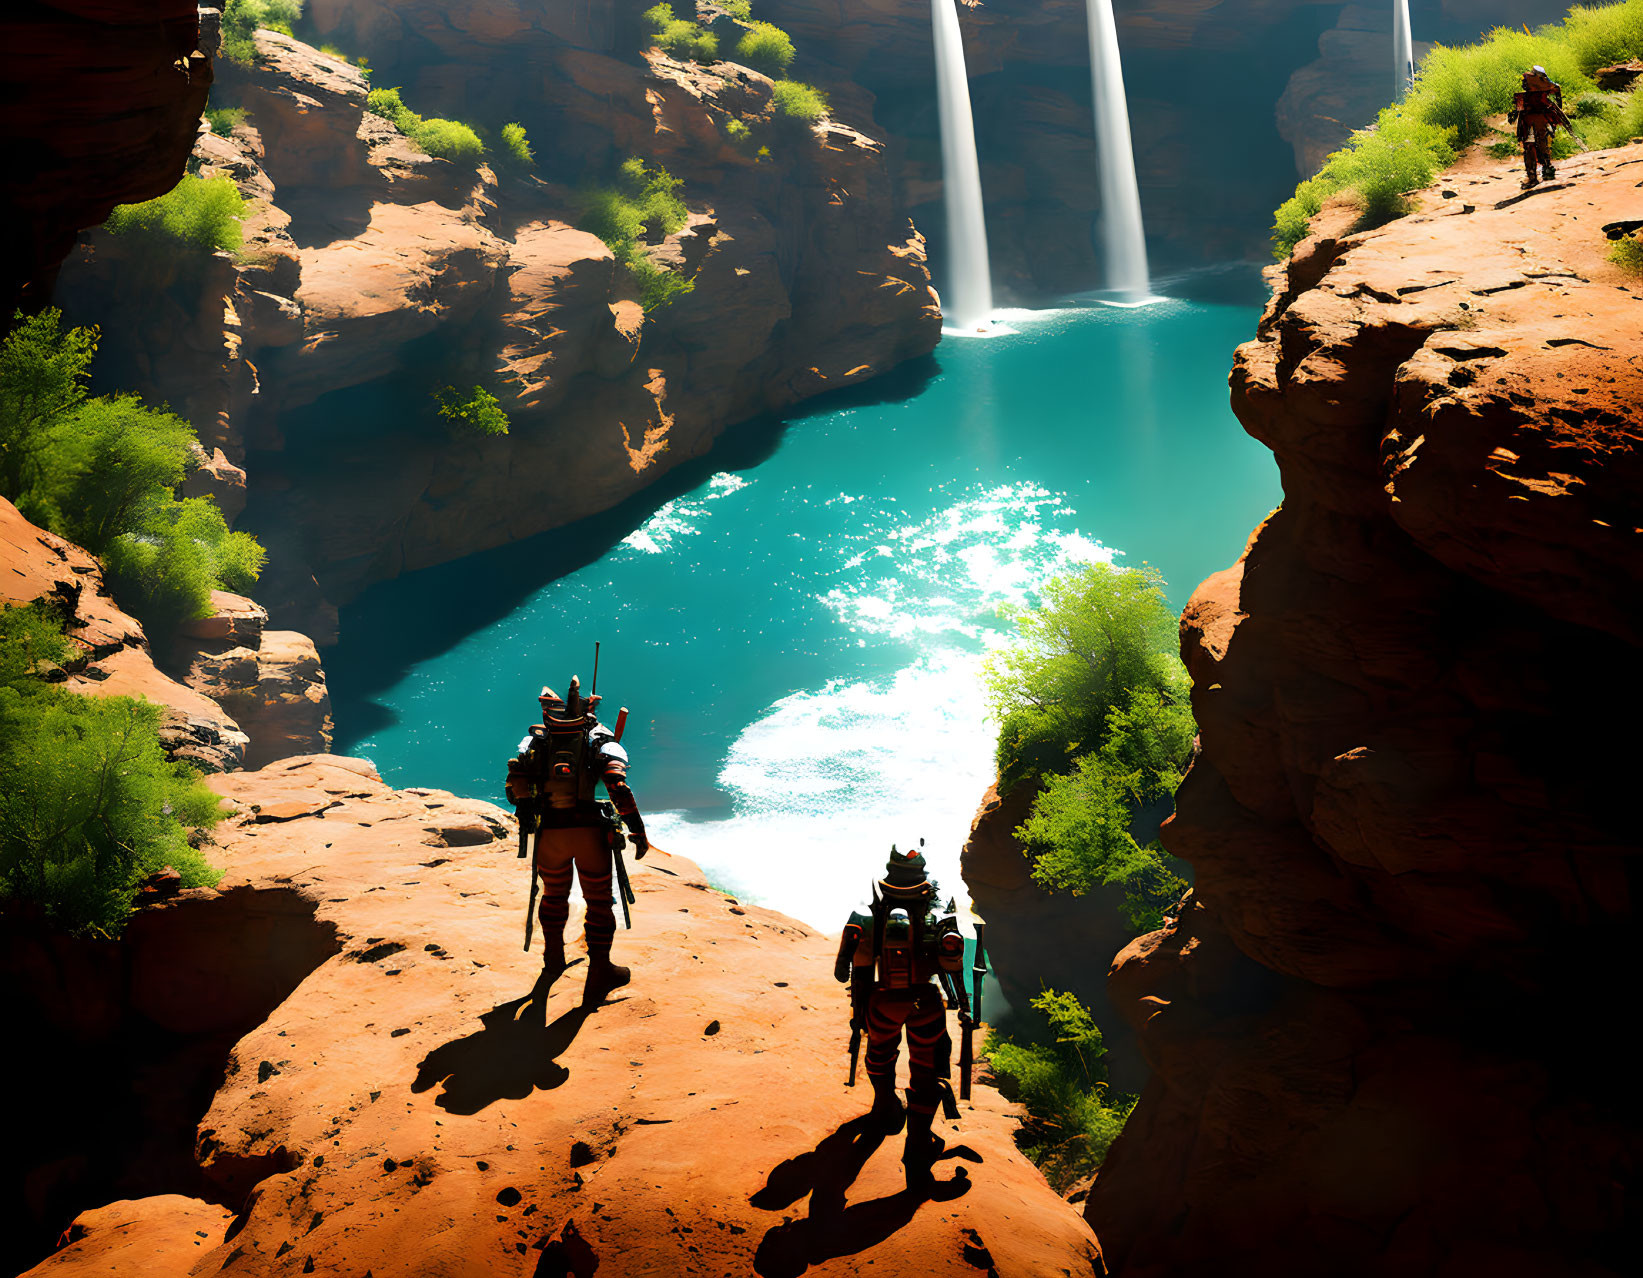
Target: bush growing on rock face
446, 139
799, 101
679, 37
1093, 703
89, 804
199, 214
1627, 254
1455, 91
242, 18
101, 471
766, 48
515, 148
475, 412
1058, 1075
224, 120
644, 204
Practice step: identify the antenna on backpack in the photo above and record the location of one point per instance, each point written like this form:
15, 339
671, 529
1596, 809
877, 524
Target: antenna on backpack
595, 687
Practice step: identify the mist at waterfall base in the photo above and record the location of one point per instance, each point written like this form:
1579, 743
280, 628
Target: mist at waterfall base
1123, 240
969, 299
799, 628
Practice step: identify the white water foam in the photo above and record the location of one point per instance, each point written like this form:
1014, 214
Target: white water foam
828, 778
681, 517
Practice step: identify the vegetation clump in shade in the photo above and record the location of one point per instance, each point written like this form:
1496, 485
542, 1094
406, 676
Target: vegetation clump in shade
1058, 1074
766, 47
1092, 706
516, 148
242, 18
102, 472
1447, 108
89, 804
444, 139
643, 205
679, 37
224, 120
473, 412
201, 215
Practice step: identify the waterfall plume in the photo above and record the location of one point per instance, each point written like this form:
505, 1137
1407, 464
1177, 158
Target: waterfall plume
970, 289
1122, 236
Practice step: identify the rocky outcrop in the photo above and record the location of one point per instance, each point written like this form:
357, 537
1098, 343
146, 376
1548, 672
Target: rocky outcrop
270, 680
115, 660
1377, 1040
416, 1105
375, 275
100, 101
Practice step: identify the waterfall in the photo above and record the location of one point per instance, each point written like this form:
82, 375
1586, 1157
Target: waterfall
1122, 237
1403, 54
971, 289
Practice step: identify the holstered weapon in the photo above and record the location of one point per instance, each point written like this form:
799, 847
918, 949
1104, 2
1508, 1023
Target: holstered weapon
861, 989
618, 840
978, 973
526, 814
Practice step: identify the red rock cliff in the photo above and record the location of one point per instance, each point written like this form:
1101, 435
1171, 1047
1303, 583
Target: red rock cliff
1390, 1034
100, 101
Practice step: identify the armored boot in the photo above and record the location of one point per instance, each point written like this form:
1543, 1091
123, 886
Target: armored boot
603, 976
918, 1156
886, 1111
1547, 172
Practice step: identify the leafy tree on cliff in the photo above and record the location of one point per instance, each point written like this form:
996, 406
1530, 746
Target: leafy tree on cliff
89, 804
1093, 707
102, 471
643, 205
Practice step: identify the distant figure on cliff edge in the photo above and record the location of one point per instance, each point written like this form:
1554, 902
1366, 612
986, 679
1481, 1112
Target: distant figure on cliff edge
551, 784
889, 955
1537, 110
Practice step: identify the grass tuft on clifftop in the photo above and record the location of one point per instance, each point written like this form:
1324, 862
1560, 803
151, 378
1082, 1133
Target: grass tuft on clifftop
444, 139
1446, 109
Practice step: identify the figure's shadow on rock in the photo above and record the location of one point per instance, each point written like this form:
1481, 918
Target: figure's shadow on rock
833, 1227
515, 1054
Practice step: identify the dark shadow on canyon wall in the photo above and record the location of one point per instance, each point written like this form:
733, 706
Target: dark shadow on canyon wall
378, 646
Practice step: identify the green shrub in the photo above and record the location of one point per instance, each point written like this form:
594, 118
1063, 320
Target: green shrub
644, 203
1058, 1075
1102, 635
741, 10
737, 131
102, 472
516, 150
477, 412
446, 139
165, 569
1627, 253
224, 120
241, 18
679, 37
799, 101
1455, 91
200, 214
89, 804
766, 48
449, 140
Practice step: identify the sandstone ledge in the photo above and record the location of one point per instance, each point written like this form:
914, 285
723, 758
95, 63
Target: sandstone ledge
403, 1112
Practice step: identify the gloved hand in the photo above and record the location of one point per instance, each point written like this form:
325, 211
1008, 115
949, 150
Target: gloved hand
1511, 117
641, 845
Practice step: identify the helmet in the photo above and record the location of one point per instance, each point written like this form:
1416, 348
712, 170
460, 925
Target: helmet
905, 876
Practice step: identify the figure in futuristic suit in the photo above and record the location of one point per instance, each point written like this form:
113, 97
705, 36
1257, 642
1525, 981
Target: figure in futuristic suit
551, 783
1537, 111
889, 955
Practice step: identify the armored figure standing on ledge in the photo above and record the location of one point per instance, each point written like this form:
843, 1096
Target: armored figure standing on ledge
889, 955
551, 783
1537, 110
